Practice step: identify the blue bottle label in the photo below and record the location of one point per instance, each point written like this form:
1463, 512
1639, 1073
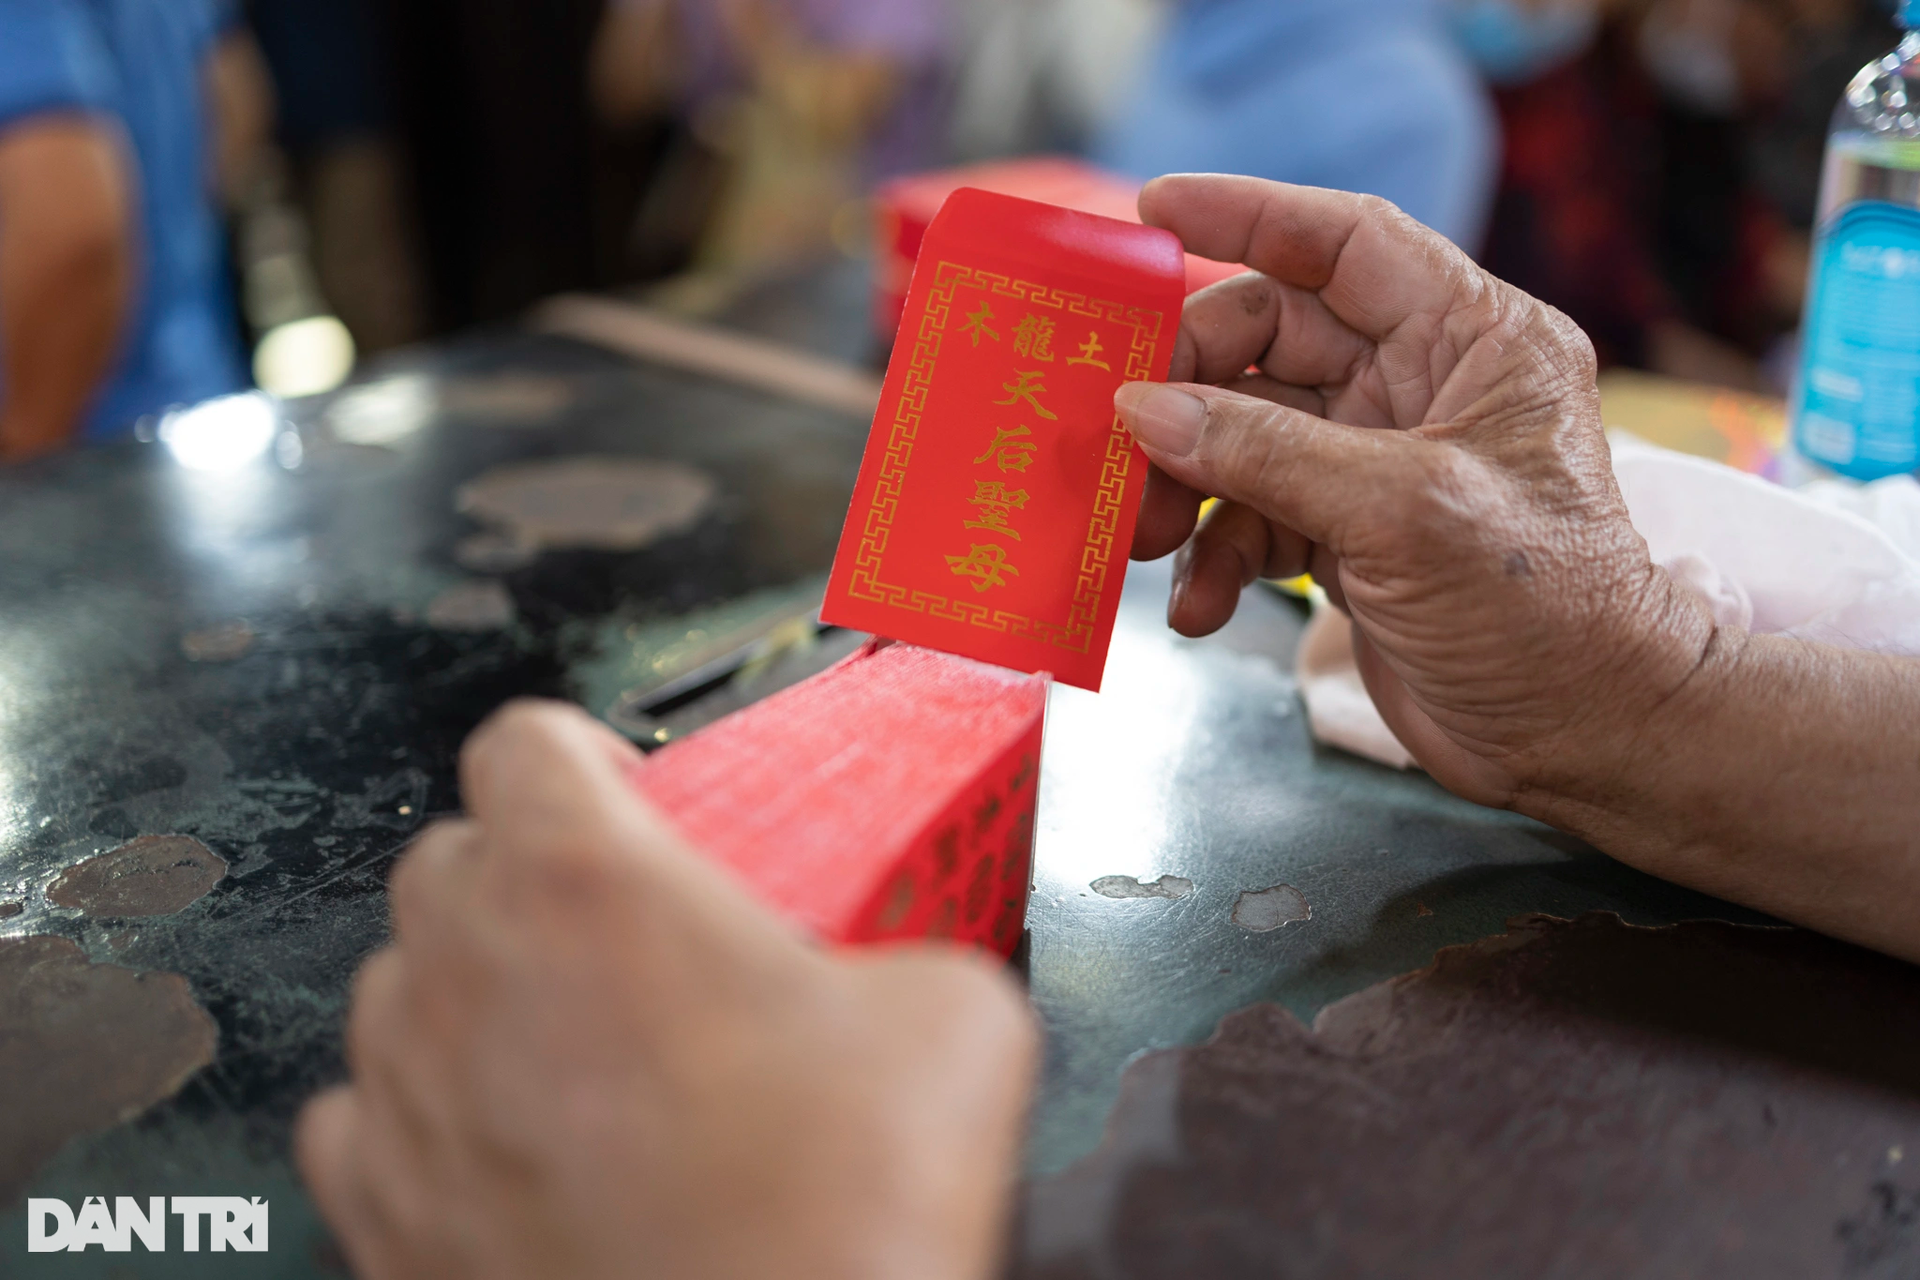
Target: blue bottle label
1859, 411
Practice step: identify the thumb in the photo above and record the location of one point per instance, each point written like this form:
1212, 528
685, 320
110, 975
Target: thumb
1312, 475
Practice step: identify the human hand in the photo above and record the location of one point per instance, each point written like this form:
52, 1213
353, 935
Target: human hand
1426, 441
590, 1054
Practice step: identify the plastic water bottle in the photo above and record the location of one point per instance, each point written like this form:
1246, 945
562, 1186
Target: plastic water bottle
1857, 398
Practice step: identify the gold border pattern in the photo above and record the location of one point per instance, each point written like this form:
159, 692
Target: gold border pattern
1076, 633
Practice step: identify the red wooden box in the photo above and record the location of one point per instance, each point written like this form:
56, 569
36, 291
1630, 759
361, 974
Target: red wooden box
890, 797
906, 207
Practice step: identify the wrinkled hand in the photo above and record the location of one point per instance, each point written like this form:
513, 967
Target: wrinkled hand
589, 1054
1425, 440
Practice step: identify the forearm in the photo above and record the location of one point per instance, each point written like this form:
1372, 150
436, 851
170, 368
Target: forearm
241, 107
60, 318
66, 268
1783, 775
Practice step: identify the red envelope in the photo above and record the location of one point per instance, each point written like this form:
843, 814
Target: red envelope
997, 498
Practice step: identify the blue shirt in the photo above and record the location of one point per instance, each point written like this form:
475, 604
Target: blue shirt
142, 63
1360, 95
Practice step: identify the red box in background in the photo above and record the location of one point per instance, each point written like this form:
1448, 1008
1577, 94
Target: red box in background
905, 208
890, 797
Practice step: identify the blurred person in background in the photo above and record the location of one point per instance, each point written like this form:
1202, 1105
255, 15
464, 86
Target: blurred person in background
1799, 56
492, 124
1572, 223
1047, 75
805, 102
1368, 97
334, 127
1660, 159
116, 119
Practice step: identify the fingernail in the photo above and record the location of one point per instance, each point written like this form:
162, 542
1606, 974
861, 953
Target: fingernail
1162, 417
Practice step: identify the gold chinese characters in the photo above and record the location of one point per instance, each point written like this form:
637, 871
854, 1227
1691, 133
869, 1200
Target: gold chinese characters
1013, 448
1009, 451
996, 504
1028, 389
986, 565
1033, 339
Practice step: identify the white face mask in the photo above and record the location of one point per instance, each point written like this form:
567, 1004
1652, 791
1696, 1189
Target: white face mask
1693, 65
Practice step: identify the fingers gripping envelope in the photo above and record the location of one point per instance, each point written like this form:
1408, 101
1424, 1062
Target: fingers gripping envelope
997, 498
893, 796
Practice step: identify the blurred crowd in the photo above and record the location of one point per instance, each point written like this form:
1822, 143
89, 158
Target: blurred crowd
198, 194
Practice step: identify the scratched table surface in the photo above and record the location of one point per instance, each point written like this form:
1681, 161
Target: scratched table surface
245, 652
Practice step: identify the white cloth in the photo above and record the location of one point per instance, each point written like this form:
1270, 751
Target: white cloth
1834, 563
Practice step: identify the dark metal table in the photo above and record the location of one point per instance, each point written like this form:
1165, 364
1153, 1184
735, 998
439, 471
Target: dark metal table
308, 750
